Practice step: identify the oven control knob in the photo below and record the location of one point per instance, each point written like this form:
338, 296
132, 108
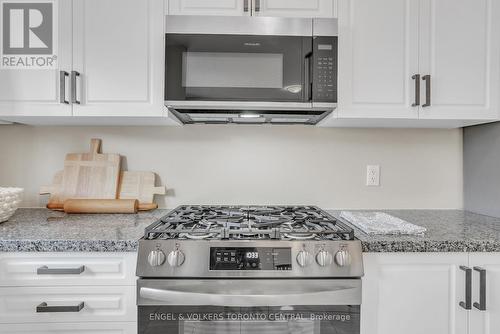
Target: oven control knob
304, 258
343, 258
156, 258
176, 258
324, 258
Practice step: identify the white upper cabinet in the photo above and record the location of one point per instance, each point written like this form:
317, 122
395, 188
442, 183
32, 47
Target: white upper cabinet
284, 8
295, 8
459, 49
433, 60
413, 293
37, 92
118, 54
378, 54
210, 7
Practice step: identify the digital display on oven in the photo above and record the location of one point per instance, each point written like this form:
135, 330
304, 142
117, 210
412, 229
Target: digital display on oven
250, 258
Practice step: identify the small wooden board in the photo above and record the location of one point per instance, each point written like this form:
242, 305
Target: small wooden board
91, 175
140, 186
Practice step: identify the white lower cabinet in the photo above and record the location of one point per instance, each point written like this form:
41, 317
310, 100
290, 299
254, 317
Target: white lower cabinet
87, 303
413, 293
487, 321
42, 269
77, 292
416, 293
75, 328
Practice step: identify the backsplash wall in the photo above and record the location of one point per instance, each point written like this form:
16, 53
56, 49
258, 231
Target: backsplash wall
420, 168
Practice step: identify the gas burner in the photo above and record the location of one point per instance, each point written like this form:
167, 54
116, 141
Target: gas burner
249, 223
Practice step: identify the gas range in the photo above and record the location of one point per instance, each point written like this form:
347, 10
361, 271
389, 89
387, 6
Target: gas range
243, 269
196, 241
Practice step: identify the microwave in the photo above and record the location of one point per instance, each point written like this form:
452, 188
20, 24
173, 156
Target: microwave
250, 69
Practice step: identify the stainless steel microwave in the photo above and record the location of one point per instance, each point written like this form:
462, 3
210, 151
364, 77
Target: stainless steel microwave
250, 69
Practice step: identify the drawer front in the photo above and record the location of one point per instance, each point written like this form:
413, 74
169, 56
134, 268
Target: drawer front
73, 328
48, 269
79, 303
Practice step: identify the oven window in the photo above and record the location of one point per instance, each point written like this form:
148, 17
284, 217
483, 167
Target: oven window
249, 320
232, 70
251, 327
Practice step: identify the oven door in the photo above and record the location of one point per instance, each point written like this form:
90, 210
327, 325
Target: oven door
249, 306
251, 61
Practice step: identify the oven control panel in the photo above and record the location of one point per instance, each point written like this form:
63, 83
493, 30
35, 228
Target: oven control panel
250, 258
325, 69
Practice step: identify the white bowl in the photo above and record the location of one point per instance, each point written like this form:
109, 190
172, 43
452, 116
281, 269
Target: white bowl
9, 202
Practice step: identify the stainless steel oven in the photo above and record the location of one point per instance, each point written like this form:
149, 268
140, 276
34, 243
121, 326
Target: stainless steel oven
249, 269
250, 64
229, 306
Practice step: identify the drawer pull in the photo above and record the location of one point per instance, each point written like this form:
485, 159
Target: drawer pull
43, 307
44, 270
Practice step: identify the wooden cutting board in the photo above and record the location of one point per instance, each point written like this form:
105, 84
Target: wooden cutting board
140, 186
90, 175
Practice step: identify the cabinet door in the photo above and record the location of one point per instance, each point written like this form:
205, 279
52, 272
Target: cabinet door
36, 92
295, 8
488, 321
459, 49
209, 7
413, 293
118, 51
378, 54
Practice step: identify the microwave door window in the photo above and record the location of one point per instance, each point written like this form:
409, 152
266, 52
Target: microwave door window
238, 68
232, 70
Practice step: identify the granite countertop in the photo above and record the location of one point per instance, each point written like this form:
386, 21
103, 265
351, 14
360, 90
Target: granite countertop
42, 230
447, 231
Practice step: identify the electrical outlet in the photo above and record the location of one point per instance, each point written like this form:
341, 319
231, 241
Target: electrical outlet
373, 175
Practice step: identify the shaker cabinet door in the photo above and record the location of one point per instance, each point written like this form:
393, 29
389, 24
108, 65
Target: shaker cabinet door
295, 8
485, 321
413, 293
378, 55
118, 57
30, 91
460, 50
209, 7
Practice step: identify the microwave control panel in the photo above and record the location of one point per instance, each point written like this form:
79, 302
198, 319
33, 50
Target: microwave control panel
250, 258
325, 69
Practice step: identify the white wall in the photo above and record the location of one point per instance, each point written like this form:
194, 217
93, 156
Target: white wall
256, 164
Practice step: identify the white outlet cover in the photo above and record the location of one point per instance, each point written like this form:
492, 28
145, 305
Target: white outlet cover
373, 175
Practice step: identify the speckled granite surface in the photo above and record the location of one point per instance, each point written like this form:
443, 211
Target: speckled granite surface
447, 231
41, 230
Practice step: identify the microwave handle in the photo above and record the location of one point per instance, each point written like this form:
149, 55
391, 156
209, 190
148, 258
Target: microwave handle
307, 78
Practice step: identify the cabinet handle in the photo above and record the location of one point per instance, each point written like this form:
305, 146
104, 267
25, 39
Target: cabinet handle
481, 306
468, 288
44, 308
257, 6
427, 79
62, 87
416, 77
74, 76
44, 270
245, 6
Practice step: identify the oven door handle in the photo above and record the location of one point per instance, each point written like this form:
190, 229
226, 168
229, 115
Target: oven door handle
342, 295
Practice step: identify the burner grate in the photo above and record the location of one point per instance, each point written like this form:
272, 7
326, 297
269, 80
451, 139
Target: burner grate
249, 223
